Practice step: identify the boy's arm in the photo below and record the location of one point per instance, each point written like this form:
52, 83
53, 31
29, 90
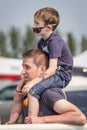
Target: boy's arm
30, 84
52, 68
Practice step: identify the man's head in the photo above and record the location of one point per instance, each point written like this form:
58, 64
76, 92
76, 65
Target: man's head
34, 63
46, 17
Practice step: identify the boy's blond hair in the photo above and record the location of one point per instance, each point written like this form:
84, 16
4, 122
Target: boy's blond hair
48, 16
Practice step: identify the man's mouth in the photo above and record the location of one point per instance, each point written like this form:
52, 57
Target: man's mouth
26, 77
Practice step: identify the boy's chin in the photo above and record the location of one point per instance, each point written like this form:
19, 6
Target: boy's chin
37, 34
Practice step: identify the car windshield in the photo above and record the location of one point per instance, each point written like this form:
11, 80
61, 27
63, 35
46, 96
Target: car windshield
7, 93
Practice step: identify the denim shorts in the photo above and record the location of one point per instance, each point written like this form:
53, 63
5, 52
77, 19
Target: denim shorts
57, 80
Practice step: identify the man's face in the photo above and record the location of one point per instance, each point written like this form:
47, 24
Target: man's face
30, 70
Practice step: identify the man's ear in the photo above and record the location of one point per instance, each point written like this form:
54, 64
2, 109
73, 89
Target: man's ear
43, 68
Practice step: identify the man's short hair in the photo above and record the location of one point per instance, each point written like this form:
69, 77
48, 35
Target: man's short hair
40, 57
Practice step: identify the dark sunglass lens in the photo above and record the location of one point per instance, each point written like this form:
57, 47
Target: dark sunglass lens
37, 30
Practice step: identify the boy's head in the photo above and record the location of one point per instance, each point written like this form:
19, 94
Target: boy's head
49, 16
34, 63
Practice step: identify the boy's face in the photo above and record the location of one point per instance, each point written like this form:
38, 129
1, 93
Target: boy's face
30, 70
38, 27
38, 23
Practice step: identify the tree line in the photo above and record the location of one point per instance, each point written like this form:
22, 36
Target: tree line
13, 43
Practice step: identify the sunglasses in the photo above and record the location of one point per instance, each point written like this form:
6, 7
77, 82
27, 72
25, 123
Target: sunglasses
38, 30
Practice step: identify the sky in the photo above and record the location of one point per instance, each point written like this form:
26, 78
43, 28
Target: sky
19, 13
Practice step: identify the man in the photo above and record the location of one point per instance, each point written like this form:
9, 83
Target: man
53, 107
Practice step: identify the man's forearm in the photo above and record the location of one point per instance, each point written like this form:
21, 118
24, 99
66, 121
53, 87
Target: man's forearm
16, 108
67, 118
13, 118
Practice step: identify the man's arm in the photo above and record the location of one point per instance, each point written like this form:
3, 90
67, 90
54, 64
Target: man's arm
69, 114
17, 106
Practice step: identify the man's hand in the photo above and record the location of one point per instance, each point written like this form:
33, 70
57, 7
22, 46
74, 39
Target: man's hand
8, 123
33, 120
19, 87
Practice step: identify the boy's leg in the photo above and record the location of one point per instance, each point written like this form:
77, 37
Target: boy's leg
16, 108
55, 81
33, 105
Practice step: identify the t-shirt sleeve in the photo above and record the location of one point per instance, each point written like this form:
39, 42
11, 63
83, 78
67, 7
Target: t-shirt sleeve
52, 95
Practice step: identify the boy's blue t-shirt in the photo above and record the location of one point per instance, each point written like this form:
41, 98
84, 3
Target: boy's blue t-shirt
57, 48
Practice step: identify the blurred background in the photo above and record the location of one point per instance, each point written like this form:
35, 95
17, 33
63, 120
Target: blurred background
16, 20
16, 36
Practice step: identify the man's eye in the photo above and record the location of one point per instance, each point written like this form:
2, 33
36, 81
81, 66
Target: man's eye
27, 67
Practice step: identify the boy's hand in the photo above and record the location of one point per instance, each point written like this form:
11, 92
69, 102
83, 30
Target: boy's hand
30, 84
26, 88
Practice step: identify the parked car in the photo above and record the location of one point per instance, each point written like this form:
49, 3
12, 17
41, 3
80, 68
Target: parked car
76, 92
7, 89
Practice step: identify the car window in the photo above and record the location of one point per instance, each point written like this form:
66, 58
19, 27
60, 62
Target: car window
79, 98
79, 71
7, 93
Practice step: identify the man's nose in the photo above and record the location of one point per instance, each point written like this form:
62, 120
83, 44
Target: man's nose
23, 71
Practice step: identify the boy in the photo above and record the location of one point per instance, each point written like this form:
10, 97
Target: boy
60, 68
